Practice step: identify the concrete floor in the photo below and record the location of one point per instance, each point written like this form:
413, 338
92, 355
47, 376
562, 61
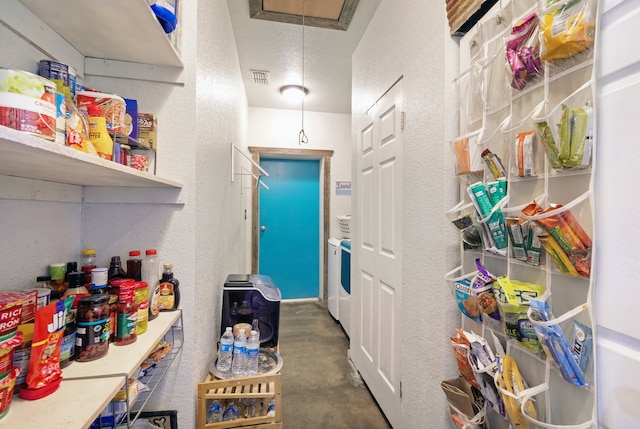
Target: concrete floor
320, 387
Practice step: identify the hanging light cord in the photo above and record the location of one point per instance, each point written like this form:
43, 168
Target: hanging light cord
302, 137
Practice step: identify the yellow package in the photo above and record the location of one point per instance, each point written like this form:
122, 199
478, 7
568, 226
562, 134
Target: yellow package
510, 380
566, 30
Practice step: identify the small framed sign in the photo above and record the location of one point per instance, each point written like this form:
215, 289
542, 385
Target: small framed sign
343, 188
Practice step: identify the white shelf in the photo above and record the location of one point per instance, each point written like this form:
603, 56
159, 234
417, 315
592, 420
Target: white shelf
27, 156
122, 360
87, 387
122, 30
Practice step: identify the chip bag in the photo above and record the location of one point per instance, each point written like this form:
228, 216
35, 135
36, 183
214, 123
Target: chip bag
44, 364
513, 297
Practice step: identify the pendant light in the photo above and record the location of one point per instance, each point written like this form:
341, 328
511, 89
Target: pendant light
302, 136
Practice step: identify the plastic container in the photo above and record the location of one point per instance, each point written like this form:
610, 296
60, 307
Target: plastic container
98, 133
169, 290
134, 265
28, 103
88, 263
127, 316
142, 301
166, 12
253, 352
99, 281
115, 269
92, 321
239, 353
151, 274
225, 354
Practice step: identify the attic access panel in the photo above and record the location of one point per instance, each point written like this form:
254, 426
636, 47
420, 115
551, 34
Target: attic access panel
331, 14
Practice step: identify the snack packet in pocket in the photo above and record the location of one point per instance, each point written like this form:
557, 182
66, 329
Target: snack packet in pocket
514, 297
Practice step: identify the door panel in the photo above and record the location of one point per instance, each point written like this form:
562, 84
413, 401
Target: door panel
377, 292
290, 214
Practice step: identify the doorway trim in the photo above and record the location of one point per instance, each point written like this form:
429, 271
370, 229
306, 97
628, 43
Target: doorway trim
271, 152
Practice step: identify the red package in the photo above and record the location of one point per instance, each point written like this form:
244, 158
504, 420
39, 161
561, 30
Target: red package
44, 374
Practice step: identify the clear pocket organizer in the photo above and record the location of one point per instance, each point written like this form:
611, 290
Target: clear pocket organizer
566, 133
468, 153
563, 236
523, 234
463, 218
488, 201
567, 32
570, 354
496, 76
522, 52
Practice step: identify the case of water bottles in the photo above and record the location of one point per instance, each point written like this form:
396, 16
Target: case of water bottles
253, 402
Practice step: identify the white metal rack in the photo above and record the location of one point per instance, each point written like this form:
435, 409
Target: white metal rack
95, 383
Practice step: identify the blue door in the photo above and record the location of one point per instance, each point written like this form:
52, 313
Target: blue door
290, 226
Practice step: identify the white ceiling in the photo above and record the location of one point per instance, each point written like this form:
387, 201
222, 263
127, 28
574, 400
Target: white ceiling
276, 47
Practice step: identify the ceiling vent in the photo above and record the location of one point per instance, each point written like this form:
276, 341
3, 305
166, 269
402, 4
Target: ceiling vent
260, 77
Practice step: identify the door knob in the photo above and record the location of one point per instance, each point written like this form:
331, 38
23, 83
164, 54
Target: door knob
263, 228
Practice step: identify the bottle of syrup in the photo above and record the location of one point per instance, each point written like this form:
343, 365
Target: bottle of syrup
169, 291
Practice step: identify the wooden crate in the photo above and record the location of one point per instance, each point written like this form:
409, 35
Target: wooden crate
262, 388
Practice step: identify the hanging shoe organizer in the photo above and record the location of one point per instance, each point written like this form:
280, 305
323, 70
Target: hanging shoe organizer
525, 163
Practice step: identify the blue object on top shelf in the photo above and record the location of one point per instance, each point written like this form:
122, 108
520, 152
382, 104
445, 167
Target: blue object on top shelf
167, 18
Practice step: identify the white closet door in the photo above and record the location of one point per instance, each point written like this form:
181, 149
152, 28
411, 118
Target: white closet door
377, 272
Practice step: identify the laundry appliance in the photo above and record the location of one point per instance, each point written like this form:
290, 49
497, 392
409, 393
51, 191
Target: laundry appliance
247, 297
333, 276
344, 291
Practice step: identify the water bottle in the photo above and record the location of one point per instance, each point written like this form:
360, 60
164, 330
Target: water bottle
226, 351
239, 353
253, 350
214, 413
230, 412
255, 325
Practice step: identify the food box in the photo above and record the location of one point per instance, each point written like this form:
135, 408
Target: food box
147, 130
130, 121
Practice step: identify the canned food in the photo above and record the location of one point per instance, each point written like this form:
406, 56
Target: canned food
28, 103
92, 322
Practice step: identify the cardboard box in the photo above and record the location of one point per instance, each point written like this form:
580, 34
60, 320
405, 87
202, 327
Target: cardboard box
147, 130
131, 118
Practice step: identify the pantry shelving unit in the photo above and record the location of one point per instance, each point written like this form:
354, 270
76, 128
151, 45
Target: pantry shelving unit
488, 103
93, 384
120, 38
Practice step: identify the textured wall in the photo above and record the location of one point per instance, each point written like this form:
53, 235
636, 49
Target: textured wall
326, 131
197, 122
409, 38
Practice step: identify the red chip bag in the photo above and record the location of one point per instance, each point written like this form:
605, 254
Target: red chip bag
44, 364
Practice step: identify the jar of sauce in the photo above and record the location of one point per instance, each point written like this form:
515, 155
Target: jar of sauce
113, 304
126, 316
142, 300
92, 327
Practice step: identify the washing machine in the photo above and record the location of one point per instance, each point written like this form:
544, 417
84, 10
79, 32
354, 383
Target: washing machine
333, 276
344, 291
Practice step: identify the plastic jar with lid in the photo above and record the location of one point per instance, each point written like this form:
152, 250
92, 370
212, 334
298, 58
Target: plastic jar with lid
92, 327
98, 280
142, 300
113, 305
88, 264
134, 265
127, 316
